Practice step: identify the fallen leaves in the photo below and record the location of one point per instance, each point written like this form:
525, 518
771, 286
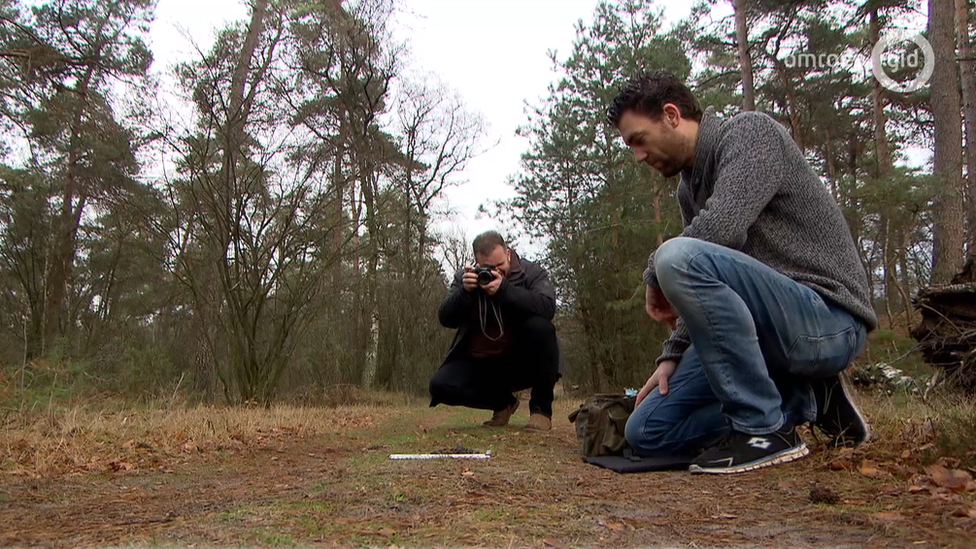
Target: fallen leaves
965, 513
887, 516
138, 447
919, 430
555, 544
119, 465
942, 481
840, 464
384, 532
787, 484
953, 479
870, 469
615, 526
22, 473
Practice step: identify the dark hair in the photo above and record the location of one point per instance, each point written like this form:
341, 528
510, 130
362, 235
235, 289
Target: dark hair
648, 93
486, 242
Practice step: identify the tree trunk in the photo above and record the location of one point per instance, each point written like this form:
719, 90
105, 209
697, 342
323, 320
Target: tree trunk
245, 366
886, 267
358, 283
792, 106
596, 366
338, 211
883, 172
73, 202
967, 72
370, 313
832, 168
878, 106
950, 235
745, 60
905, 287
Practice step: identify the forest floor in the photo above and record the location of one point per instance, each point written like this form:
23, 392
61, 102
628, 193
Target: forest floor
322, 477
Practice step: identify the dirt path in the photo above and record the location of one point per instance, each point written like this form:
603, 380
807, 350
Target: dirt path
336, 487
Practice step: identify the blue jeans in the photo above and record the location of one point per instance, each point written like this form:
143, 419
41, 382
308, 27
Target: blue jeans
756, 335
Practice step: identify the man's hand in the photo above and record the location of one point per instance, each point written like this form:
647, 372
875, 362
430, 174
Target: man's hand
469, 280
659, 378
496, 283
657, 306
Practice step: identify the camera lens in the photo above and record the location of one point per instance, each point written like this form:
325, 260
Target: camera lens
485, 276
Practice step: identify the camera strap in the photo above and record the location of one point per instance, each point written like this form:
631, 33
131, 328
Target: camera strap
483, 317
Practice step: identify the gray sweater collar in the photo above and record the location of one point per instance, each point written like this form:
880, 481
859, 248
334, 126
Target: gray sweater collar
708, 137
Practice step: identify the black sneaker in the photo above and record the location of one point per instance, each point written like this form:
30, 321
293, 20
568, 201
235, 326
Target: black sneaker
738, 452
838, 415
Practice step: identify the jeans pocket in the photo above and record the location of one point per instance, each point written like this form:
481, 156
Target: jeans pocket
822, 356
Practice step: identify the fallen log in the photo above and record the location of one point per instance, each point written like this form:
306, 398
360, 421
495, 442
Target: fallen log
947, 333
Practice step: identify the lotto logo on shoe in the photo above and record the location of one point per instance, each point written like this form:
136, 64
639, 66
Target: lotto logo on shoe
759, 442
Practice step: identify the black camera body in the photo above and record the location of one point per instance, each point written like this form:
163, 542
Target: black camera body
484, 274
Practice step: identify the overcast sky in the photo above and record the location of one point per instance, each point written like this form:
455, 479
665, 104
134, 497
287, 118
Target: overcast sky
493, 52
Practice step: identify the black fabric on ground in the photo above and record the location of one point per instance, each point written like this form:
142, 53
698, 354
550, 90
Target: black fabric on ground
637, 464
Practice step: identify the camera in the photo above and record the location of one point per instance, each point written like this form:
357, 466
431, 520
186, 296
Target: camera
484, 274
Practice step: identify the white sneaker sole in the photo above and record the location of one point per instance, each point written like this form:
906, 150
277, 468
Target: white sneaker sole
848, 391
786, 456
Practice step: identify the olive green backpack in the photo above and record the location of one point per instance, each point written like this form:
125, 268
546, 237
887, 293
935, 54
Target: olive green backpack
600, 423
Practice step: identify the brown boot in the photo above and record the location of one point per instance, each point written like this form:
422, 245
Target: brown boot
500, 417
538, 423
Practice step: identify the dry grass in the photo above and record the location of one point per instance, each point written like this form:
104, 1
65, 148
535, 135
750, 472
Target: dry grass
59, 439
91, 476
942, 426
89, 438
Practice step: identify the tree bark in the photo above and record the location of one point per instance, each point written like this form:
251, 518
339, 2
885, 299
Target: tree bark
882, 173
745, 60
905, 285
948, 248
832, 168
245, 364
878, 104
73, 202
967, 72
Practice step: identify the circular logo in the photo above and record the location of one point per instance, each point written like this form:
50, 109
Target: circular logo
901, 60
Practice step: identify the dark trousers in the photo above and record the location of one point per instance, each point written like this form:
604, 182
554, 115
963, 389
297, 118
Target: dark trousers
532, 361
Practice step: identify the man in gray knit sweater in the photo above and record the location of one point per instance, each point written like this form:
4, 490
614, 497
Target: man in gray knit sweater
764, 289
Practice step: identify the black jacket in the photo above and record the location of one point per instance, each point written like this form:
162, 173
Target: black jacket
524, 293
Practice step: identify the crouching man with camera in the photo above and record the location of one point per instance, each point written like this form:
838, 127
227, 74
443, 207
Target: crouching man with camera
502, 308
